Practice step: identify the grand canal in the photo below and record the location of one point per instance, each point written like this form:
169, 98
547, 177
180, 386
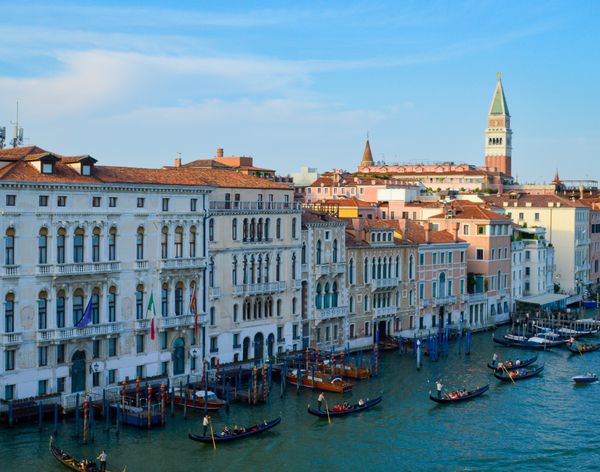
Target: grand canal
541, 423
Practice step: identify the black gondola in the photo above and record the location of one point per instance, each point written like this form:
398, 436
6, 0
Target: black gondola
519, 374
472, 394
510, 365
250, 431
353, 408
70, 462
527, 344
582, 348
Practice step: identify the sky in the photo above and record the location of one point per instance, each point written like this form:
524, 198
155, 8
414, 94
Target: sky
304, 83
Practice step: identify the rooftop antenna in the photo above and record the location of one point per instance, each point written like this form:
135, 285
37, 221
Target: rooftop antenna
2, 136
17, 139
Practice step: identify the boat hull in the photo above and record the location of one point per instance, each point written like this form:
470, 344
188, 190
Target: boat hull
320, 383
251, 431
469, 396
510, 365
355, 409
582, 349
528, 374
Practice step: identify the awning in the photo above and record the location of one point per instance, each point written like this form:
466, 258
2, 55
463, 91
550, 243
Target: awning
545, 299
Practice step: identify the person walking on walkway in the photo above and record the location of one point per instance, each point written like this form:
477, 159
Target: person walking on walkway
102, 458
205, 423
320, 400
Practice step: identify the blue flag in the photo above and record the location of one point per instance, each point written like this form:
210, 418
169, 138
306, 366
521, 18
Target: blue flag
87, 316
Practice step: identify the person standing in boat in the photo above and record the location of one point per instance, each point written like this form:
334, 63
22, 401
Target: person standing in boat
102, 458
205, 423
494, 359
320, 400
439, 389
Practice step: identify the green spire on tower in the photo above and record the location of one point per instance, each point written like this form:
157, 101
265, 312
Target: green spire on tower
499, 106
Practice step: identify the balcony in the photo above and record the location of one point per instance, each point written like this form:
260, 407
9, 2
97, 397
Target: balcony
214, 293
447, 300
330, 268
90, 331
385, 311
257, 240
11, 339
476, 297
178, 322
297, 284
44, 269
332, 312
10, 271
304, 268
253, 207
44, 335
183, 263
377, 284
142, 325
424, 303
141, 265
258, 289
84, 268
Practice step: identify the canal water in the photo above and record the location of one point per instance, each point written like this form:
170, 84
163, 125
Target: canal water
541, 423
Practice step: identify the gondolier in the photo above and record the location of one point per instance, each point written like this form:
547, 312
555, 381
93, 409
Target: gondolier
205, 423
320, 400
439, 389
494, 359
102, 458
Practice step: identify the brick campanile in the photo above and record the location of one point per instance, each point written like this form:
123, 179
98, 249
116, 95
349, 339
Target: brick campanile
498, 135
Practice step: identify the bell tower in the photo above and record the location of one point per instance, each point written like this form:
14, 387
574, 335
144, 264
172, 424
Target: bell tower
498, 135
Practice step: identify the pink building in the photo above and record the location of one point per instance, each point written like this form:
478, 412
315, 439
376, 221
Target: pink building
488, 257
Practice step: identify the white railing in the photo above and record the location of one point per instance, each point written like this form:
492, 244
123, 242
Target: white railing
385, 311
87, 268
44, 335
90, 331
183, 263
257, 240
254, 289
330, 268
476, 297
183, 321
253, 206
424, 303
10, 271
331, 312
9, 339
142, 325
214, 293
44, 269
447, 300
385, 283
143, 264
297, 283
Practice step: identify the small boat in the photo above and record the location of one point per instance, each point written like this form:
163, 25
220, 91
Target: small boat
70, 462
457, 396
348, 411
580, 348
534, 342
138, 416
246, 432
590, 304
510, 365
319, 381
197, 401
585, 379
518, 374
346, 370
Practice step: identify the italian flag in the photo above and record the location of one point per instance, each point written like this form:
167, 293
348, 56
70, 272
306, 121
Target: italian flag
151, 307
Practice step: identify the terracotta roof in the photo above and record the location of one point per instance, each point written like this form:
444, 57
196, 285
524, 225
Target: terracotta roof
415, 232
470, 211
309, 216
206, 163
522, 199
14, 154
347, 202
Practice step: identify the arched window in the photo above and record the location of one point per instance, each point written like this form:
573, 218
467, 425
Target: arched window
319, 251
367, 328
366, 270
366, 303
252, 229
278, 268
9, 247
78, 240
164, 243
112, 304
411, 300
442, 290
374, 268
411, 267
267, 229
193, 241
259, 229
211, 272
9, 313
278, 228
318, 297
245, 230
326, 296
43, 246
139, 244
60, 309
293, 266
278, 307
303, 253
96, 306
334, 295
139, 302
335, 250
351, 304
211, 229
42, 310
234, 229
179, 242
351, 272
112, 244
60, 245
498, 280
179, 299
234, 270
397, 266
77, 306
294, 303
294, 230
164, 300
96, 244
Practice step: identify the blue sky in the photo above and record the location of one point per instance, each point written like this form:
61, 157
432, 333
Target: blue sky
302, 83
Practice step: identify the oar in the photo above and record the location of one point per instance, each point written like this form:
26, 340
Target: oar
327, 410
212, 434
508, 373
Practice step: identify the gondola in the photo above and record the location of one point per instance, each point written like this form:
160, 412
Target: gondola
353, 408
250, 431
585, 379
526, 344
518, 374
582, 348
445, 399
70, 462
510, 365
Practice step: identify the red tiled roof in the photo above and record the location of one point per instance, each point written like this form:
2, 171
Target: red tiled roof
527, 199
347, 202
415, 232
14, 154
470, 211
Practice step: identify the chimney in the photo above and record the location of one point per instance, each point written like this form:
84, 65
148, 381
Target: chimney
427, 232
178, 160
220, 152
455, 231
